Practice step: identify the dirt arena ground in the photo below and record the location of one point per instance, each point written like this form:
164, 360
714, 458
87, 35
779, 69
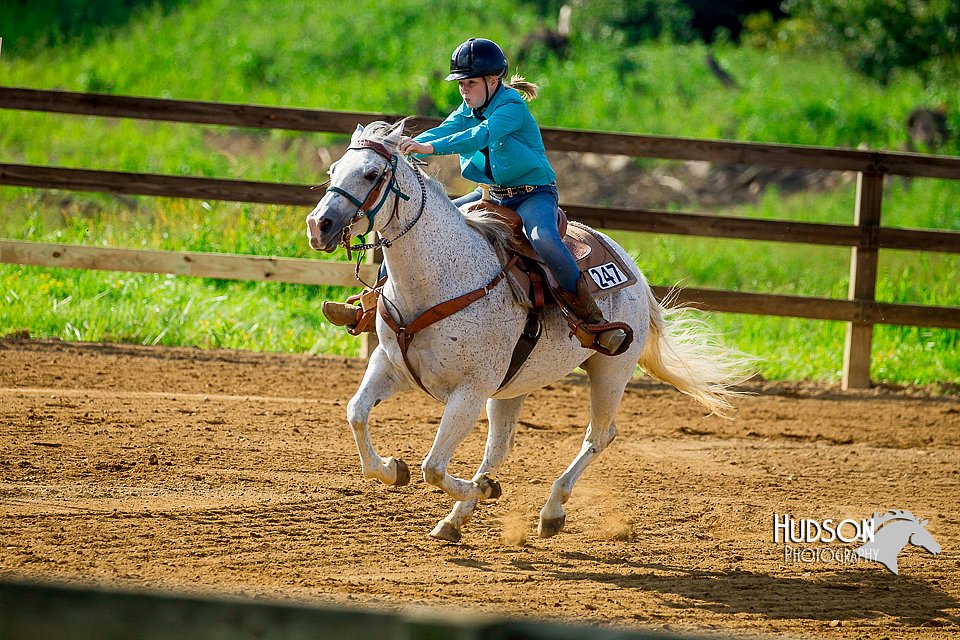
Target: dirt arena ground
225, 472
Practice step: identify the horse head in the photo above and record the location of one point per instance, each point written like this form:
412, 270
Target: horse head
898, 528
360, 182
923, 539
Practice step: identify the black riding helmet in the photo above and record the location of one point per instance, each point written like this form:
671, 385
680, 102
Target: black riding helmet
477, 57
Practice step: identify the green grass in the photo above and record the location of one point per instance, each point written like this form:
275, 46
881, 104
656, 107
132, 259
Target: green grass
319, 55
160, 309
382, 59
153, 309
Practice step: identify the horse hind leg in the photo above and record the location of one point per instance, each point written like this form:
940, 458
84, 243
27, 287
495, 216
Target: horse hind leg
502, 416
378, 384
608, 379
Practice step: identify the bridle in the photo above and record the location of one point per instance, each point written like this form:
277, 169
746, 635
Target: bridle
379, 194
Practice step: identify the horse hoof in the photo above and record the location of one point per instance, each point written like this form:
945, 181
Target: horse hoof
550, 527
446, 532
492, 486
403, 473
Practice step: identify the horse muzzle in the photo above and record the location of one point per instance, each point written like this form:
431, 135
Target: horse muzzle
324, 228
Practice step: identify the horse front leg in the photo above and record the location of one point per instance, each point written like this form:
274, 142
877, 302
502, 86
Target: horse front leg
459, 417
502, 416
379, 383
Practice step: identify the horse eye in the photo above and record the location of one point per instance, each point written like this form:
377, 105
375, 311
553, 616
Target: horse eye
371, 175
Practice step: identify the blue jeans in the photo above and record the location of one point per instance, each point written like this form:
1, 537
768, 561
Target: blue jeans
538, 210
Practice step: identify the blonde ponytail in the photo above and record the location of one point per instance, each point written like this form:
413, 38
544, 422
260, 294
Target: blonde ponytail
528, 90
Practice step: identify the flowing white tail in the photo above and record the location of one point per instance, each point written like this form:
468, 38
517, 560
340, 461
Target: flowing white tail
683, 351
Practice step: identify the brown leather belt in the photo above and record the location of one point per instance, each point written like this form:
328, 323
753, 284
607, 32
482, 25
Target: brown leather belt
502, 193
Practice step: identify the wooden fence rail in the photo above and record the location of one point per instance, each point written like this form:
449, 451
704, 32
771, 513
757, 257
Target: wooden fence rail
671, 148
646, 220
33, 611
322, 272
185, 263
866, 237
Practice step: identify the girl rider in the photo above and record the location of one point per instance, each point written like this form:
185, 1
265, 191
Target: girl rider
499, 144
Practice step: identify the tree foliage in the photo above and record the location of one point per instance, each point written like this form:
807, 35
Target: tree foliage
30, 25
877, 37
638, 21
684, 21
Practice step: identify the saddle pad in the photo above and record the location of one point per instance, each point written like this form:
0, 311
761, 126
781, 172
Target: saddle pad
606, 269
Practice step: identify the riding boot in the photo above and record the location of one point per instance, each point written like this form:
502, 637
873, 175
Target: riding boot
341, 314
358, 314
582, 305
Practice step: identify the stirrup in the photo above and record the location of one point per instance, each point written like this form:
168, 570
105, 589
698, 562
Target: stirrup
367, 311
609, 338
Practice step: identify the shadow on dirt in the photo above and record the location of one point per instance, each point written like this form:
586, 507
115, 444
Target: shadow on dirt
856, 593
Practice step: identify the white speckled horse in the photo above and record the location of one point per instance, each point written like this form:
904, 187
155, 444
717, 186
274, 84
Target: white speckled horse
435, 253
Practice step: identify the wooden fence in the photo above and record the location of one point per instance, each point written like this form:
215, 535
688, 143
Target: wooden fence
861, 311
32, 611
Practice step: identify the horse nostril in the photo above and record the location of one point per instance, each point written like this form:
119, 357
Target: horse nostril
325, 224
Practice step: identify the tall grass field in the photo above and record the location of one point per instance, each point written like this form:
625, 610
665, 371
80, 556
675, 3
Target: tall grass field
368, 56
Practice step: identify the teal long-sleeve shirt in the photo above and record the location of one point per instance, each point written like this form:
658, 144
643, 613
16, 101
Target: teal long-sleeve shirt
507, 129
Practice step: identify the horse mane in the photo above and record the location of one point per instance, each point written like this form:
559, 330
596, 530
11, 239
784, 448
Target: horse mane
880, 518
497, 234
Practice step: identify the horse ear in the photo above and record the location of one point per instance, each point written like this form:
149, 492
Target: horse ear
396, 131
924, 523
356, 134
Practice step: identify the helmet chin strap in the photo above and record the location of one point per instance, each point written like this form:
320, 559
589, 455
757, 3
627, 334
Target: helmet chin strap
487, 96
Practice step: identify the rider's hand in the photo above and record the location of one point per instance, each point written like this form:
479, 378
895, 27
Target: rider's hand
408, 145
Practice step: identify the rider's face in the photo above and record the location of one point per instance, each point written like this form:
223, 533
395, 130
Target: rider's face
474, 90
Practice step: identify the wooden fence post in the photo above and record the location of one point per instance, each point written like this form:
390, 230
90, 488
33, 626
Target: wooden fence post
863, 281
369, 341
